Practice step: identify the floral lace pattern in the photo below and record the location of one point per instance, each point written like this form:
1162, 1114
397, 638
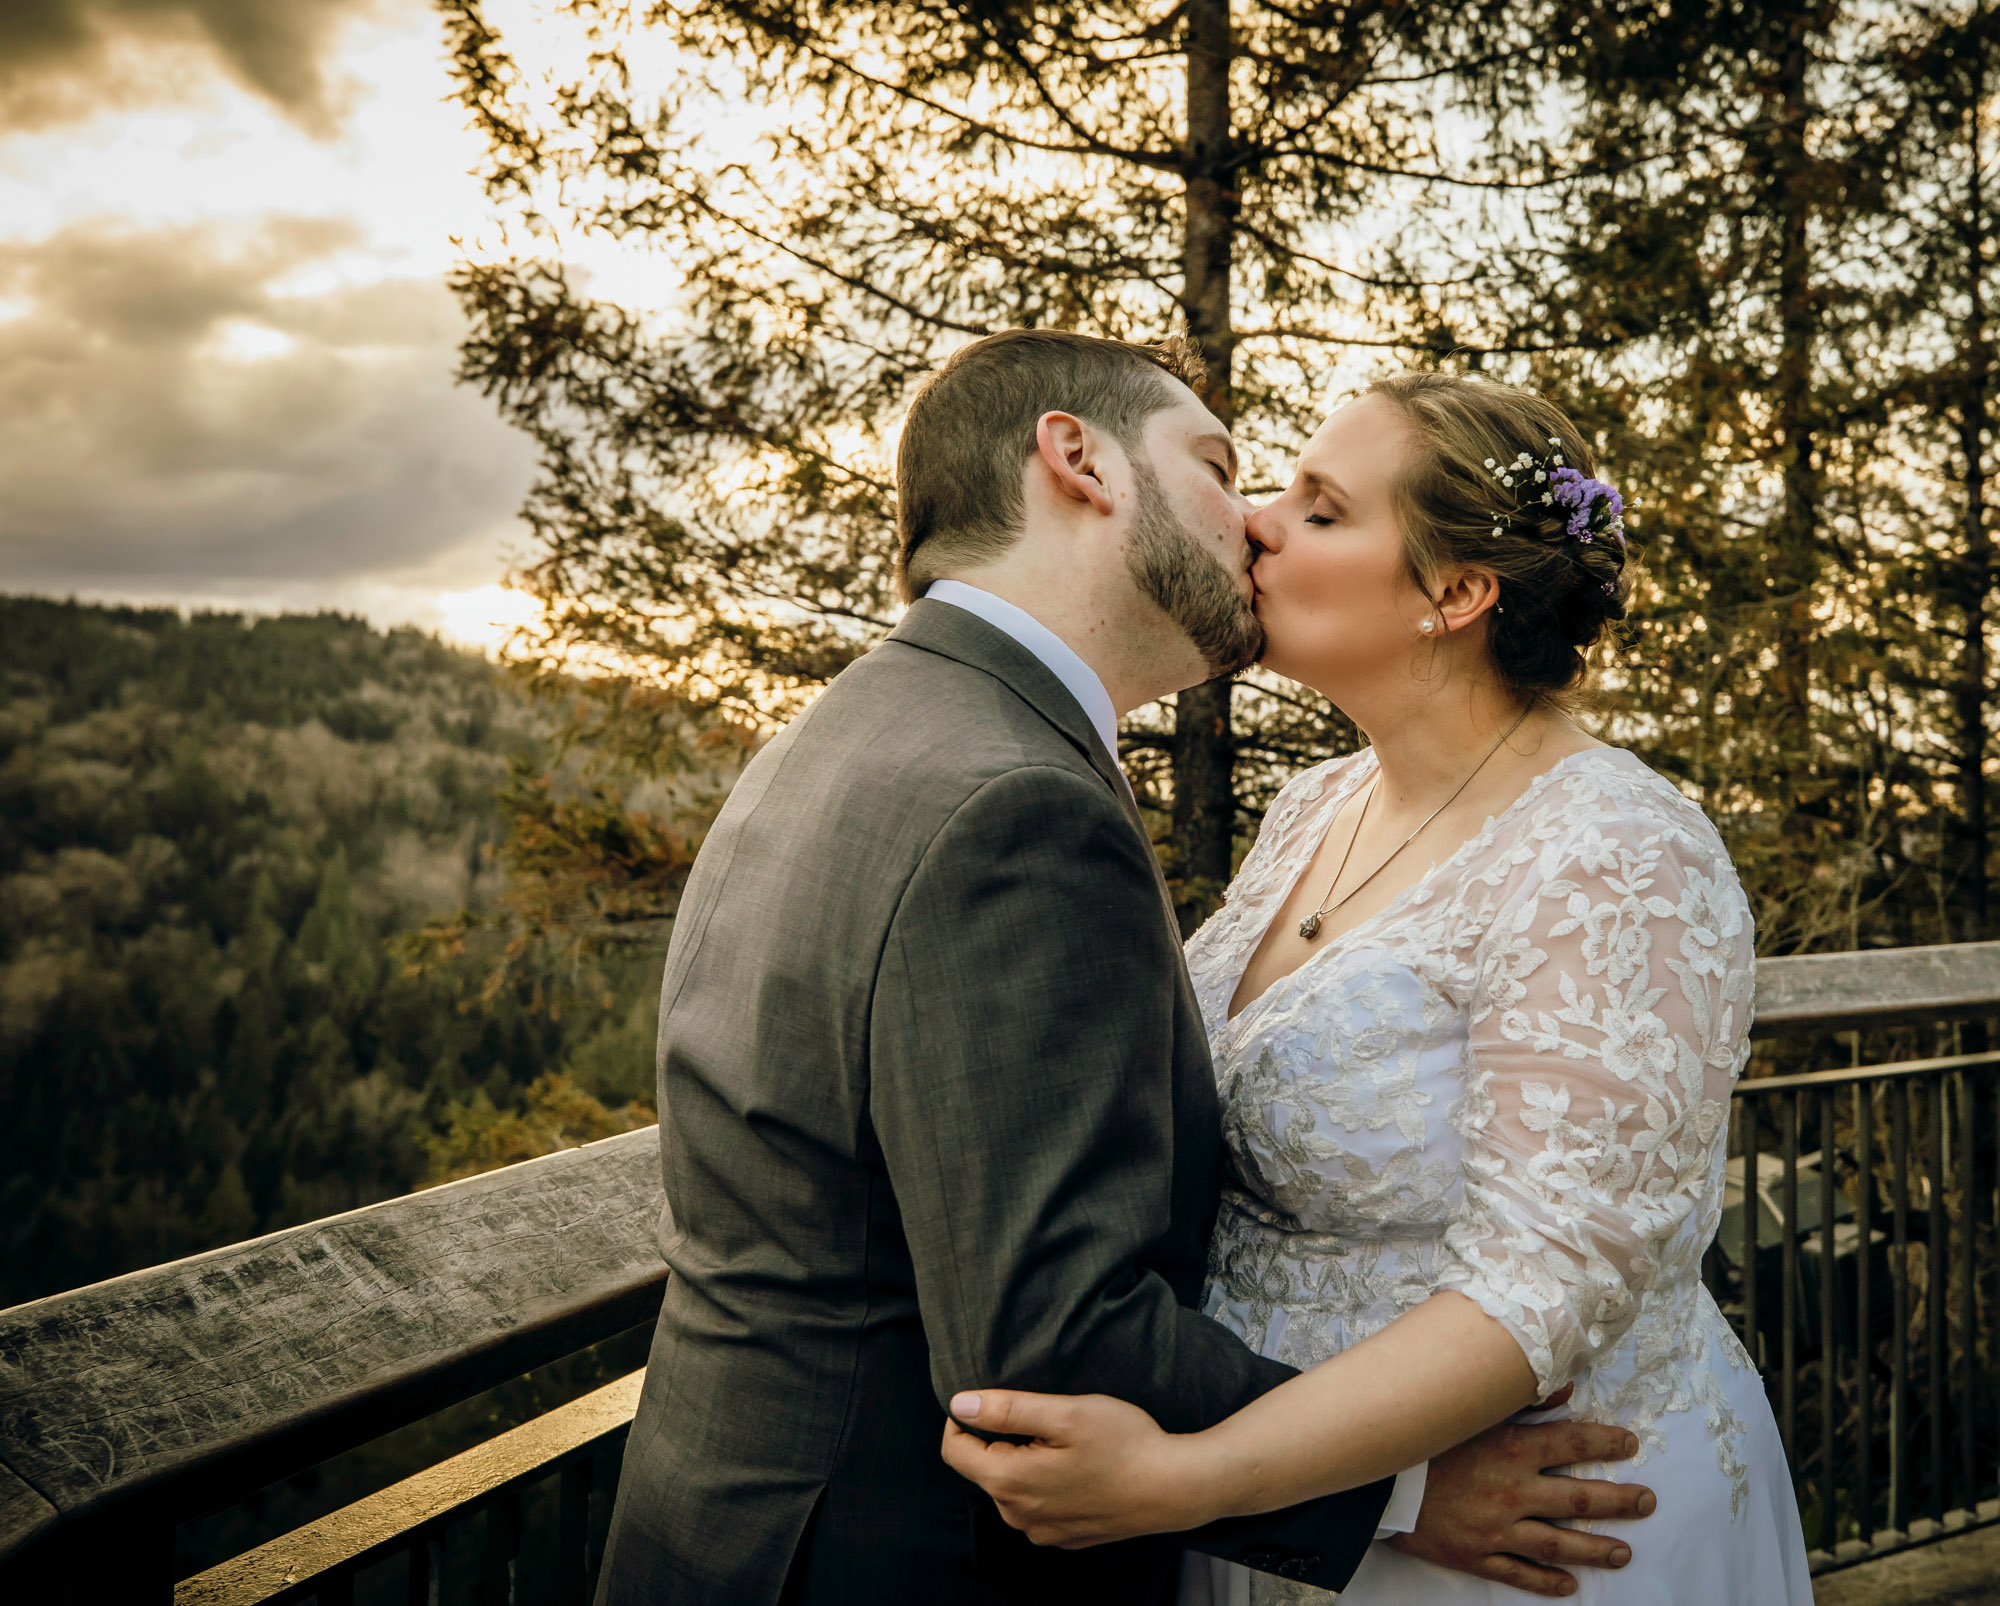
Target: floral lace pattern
1511, 1082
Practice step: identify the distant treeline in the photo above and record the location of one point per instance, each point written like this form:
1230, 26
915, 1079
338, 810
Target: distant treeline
215, 837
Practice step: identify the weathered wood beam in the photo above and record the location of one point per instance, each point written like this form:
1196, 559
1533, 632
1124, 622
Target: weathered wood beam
187, 1385
22, 1510
1876, 987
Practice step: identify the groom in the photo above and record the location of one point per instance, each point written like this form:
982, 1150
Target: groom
936, 1107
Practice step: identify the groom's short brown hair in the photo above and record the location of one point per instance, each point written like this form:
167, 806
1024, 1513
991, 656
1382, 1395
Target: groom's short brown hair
972, 425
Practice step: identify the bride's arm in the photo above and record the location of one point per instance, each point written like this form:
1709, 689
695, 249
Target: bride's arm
1432, 1378
1102, 1469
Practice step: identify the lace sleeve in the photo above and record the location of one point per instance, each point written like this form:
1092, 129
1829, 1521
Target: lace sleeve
1609, 1019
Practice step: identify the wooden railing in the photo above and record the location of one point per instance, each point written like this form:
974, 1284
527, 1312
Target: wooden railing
137, 1404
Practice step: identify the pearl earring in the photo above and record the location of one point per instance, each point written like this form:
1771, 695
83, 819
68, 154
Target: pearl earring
1428, 627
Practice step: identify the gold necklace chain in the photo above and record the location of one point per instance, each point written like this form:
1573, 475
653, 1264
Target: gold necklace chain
1309, 927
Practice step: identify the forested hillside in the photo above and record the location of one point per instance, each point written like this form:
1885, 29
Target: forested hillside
216, 836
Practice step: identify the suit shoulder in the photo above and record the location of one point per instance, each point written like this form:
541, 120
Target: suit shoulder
930, 719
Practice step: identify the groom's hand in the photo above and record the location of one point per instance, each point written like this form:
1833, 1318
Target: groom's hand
1489, 1504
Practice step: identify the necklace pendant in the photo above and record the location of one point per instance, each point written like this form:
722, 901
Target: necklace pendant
1309, 927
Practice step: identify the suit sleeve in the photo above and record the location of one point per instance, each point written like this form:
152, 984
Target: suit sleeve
1020, 1037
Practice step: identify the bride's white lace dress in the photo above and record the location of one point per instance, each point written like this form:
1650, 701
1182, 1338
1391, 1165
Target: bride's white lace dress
1512, 1082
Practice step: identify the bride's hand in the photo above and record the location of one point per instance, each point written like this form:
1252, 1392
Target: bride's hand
1098, 1469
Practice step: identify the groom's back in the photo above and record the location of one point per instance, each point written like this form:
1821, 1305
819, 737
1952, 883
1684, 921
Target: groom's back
765, 1005
790, 1387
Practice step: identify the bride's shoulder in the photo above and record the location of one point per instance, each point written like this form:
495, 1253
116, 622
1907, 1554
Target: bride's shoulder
1610, 794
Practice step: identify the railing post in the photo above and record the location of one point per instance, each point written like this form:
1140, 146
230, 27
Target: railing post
1937, 1279
573, 1531
1788, 1262
1899, 1283
1968, 1305
1829, 1350
426, 1574
603, 1497
1747, 1114
1864, 1325
503, 1548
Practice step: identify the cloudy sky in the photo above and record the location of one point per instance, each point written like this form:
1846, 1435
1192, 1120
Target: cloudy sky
225, 346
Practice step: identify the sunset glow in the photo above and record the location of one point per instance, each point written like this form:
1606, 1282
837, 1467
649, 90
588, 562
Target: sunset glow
486, 616
226, 347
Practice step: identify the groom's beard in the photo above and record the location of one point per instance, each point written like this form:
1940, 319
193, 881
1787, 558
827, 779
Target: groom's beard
1189, 582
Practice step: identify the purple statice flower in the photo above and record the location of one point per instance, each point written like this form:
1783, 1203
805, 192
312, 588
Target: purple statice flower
1584, 496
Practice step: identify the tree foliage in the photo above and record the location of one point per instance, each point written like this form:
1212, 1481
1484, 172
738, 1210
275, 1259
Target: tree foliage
715, 509
1766, 288
1746, 241
213, 835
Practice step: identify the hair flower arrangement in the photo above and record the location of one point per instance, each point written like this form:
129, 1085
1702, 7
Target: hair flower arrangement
1594, 509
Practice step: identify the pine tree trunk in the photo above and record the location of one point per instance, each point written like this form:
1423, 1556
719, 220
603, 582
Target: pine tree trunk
1797, 532
1204, 752
1977, 559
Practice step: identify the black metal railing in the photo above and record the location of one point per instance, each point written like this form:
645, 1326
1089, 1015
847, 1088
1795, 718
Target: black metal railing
1859, 1258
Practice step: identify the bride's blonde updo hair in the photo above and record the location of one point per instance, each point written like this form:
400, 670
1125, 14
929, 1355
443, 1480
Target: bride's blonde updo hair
1559, 593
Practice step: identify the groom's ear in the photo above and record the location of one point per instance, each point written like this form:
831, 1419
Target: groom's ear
1068, 449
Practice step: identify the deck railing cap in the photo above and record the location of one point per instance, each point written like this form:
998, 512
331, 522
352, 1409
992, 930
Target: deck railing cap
248, 1361
1876, 987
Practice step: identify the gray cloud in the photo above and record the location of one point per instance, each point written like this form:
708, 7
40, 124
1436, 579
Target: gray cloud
171, 417
63, 59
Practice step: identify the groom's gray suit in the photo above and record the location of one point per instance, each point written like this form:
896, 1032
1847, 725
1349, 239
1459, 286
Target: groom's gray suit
936, 1111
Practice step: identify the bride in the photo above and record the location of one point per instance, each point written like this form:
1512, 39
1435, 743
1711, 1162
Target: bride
1476, 1001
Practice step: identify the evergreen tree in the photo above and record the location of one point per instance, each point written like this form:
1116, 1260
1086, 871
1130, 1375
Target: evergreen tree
1946, 55
205, 1028
714, 507
1712, 278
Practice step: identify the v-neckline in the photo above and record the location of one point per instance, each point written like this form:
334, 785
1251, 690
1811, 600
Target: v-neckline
1336, 942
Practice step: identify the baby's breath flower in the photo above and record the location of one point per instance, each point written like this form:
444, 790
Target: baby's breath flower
1594, 508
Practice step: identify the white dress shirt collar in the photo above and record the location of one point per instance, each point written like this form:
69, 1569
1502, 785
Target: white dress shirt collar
1078, 678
